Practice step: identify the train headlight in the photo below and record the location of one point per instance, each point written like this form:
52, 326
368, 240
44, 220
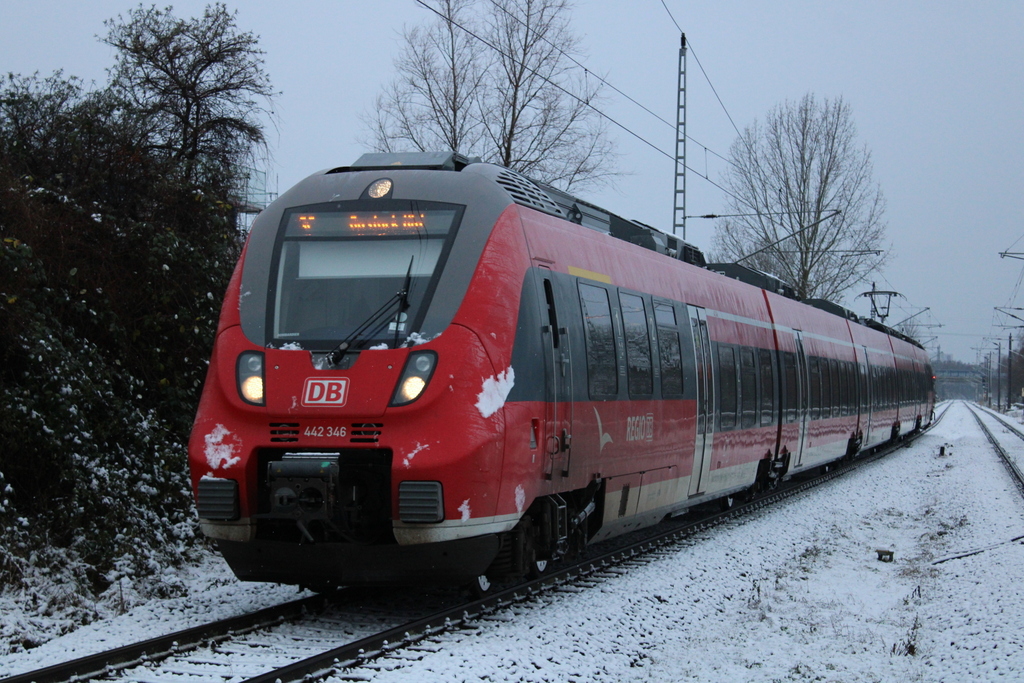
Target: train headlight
418, 369
380, 188
249, 372
411, 389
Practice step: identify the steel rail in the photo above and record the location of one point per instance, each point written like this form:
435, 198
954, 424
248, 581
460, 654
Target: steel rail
1008, 462
110, 662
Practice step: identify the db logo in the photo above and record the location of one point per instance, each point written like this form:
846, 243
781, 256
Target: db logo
321, 392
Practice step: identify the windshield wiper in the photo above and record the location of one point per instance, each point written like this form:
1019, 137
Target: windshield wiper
377, 320
403, 299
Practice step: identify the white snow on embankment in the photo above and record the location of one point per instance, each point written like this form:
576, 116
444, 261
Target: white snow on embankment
794, 593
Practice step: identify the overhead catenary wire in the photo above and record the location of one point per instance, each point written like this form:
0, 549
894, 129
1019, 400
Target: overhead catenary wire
600, 113
689, 45
607, 83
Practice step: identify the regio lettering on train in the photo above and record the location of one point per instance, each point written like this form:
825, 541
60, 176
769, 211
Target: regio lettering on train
640, 428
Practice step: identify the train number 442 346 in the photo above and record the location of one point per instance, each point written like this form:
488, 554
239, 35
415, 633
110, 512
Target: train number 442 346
321, 431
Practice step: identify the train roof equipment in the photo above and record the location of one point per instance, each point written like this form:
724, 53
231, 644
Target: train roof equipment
547, 199
540, 196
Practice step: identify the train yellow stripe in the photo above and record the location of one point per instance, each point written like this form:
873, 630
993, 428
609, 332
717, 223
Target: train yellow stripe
590, 275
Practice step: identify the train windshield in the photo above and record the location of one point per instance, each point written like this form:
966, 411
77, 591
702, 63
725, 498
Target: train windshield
358, 271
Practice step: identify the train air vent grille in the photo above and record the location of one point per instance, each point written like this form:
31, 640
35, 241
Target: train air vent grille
284, 432
420, 501
217, 499
366, 432
524, 191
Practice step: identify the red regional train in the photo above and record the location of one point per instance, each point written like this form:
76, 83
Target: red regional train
428, 369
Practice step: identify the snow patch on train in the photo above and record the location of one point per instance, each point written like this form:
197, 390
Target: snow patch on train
218, 453
495, 391
407, 461
415, 339
520, 499
464, 509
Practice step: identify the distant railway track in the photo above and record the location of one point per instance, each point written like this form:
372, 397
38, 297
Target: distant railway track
1008, 460
279, 638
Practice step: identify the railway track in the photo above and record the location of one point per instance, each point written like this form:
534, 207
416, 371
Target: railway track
1012, 457
300, 640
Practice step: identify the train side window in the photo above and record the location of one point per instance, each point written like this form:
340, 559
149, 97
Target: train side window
839, 385
883, 391
890, 377
748, 389
669, 350
767, 387
879, 400
862, 387
833, 366
640, 374
876, 388
883, 388
727, 386
844, 387
815, 382
855, 387
789, 374
600, 341
826, 390
887, 380
895, 387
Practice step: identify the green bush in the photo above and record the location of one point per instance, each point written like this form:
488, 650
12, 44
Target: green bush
112, 270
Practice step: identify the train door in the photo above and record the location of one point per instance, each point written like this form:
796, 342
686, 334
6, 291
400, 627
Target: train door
558, 384
803, 388
705, 400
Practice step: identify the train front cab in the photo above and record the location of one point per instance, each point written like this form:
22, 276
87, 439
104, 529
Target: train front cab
337, 472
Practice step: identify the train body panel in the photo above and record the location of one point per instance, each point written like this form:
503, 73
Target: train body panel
426, 374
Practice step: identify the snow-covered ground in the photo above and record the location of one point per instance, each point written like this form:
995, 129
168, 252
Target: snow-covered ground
795, 593
208, 591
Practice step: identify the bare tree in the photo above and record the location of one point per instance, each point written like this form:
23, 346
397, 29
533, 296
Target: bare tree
911, 328
200, 82
791, 173
431, 104
499, 80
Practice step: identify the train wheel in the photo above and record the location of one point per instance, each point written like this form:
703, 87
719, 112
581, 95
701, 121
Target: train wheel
727, 503
480, 586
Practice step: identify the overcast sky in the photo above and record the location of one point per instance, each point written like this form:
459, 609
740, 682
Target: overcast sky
936, 88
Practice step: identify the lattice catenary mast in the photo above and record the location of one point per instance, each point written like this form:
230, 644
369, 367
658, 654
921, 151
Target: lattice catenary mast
679, 216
